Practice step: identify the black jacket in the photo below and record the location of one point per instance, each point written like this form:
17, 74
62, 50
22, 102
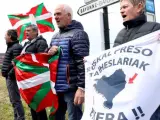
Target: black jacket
135, 28
13, 50
37, 45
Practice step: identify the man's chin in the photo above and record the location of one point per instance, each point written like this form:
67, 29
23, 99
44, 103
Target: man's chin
124, 20
59, 26
28, 38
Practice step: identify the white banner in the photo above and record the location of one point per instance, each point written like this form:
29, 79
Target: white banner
123, 83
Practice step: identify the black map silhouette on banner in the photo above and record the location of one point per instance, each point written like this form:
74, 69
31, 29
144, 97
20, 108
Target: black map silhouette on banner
110, 86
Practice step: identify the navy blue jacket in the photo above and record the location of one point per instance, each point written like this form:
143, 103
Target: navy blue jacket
74, 43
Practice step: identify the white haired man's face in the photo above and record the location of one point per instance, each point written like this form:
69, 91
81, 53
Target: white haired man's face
129, 11
62, 18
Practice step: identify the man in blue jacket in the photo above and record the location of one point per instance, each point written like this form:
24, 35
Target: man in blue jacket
74, 44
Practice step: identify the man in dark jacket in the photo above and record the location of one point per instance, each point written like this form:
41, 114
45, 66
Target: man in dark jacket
13, 50
135, 22
136, 25
36, 44
74, 44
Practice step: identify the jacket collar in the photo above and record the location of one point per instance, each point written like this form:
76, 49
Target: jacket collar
135, 22
12, 43
73, 25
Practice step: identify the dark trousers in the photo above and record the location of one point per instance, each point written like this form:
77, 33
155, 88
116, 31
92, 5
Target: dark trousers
42, 115
66, 102
15, 99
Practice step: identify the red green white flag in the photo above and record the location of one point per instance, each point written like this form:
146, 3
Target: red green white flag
38, 15
36, 77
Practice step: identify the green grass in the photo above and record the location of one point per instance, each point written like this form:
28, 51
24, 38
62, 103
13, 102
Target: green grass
6, 110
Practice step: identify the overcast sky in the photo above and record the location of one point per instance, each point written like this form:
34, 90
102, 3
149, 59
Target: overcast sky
91, 22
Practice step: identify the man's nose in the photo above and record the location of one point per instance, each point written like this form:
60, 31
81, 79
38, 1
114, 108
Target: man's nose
26, 33
122, 11
56, 17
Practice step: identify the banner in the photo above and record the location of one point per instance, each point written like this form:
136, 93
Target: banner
123, 83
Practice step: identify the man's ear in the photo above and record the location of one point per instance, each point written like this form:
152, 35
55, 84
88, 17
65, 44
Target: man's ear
9, 36
69, 14
140, 7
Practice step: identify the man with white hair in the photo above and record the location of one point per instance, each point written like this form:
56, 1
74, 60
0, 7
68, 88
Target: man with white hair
74, 44
136, 25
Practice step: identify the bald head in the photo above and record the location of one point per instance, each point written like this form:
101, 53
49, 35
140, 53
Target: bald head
63, 15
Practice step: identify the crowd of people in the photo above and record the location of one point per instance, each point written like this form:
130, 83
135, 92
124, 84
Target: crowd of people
75, 45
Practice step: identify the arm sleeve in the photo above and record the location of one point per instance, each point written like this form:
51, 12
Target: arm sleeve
156, 27
119, 39
15, 52
80, 49
42, 46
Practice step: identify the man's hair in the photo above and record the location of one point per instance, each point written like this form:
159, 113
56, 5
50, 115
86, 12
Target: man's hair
13, 34
68, 9
33, 27
136, 2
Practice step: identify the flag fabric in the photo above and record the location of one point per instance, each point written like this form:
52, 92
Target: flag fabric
38, 15
36, 77
122, 83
